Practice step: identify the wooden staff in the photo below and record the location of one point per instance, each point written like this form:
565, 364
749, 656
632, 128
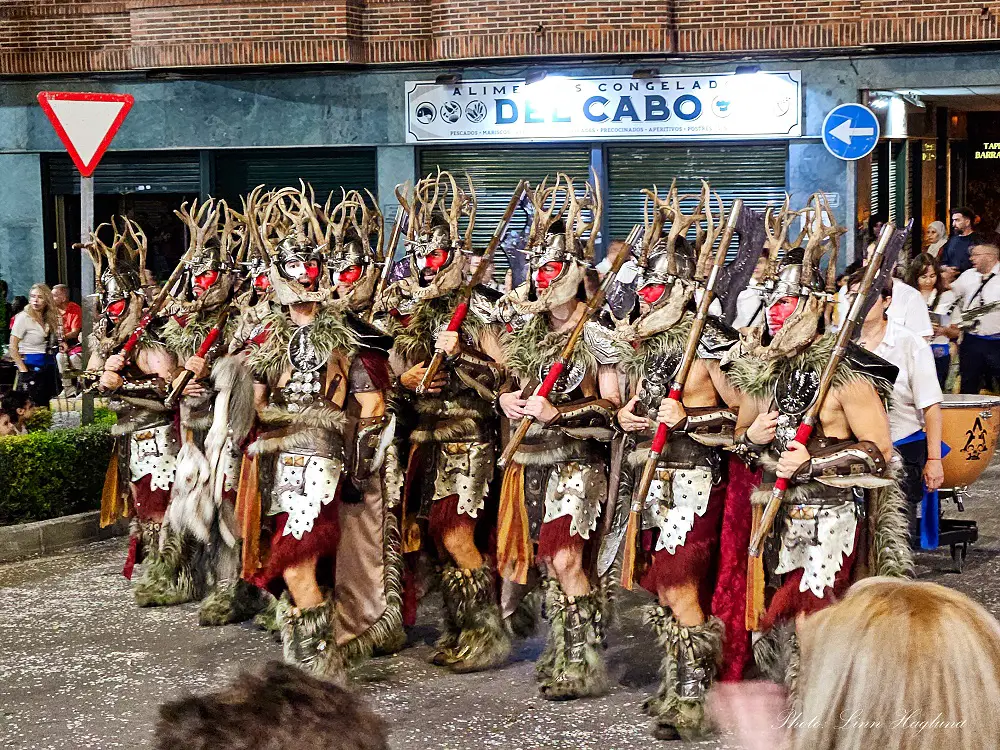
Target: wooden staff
805, 429
677, 384
462, 308
390, 254
557, 367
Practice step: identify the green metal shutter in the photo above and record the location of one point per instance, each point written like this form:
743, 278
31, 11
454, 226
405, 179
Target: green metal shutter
127, 173
495, 173
326, 169
755, 173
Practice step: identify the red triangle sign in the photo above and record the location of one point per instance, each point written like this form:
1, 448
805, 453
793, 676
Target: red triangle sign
85, 123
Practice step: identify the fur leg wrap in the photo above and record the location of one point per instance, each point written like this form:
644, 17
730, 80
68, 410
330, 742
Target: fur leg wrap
481, 640
174, 575
268, 618
776, 655
691, 659
309, 640
231, 599
576, 637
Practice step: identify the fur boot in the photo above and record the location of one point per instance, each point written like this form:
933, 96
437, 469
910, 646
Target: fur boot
572, 659
173, 573
776, 656
691, 659
267, 620
480, 638
309, 640
231, 599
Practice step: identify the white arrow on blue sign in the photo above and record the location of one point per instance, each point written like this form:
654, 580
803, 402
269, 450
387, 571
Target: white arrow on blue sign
850, 131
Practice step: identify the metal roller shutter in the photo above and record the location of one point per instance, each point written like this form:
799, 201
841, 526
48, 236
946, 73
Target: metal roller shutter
326, 169
755, 173
127, 173
495, 173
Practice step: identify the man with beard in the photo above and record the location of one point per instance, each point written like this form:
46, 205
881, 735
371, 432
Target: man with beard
683, 508
452, 443
556, 484
842, 511
319, 391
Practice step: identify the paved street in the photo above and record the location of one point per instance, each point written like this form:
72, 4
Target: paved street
82, 667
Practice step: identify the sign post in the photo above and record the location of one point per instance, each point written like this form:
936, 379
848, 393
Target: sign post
851, 132
86, 123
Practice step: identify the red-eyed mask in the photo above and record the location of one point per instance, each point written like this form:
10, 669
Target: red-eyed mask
779, 312
117, 308
548, 273
262, 282
348, 276
204, 281
652, 293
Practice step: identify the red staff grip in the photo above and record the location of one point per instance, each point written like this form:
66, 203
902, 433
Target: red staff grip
662, 431
209, 341
458, 317
802, 435
550, 380
133, 340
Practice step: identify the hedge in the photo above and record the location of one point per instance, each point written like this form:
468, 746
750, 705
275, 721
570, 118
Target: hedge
54, 473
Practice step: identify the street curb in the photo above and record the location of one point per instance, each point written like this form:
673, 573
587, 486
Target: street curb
54, 535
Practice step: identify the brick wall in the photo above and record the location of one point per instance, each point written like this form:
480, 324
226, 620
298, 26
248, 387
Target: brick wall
56, 36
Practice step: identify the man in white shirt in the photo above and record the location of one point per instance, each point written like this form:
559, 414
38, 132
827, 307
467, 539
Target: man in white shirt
979, 352
906, 308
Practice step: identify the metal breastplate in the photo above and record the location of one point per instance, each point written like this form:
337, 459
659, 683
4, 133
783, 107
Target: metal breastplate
660, 369
304, 386
794, 393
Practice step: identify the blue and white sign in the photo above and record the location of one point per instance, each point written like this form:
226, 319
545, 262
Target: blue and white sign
850, 131
683, 107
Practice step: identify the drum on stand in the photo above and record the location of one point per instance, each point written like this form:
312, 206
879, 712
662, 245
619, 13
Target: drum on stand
969, 426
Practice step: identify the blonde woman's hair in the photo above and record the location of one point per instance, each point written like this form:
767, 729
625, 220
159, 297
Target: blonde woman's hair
50, 317
899, 665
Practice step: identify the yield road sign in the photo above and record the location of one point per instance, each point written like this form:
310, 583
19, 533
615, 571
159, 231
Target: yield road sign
850, 131
85, 123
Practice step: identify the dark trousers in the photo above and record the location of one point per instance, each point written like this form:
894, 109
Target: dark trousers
978, 362
942, 364
914, 457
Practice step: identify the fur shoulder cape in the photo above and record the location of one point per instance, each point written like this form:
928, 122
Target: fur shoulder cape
756, 377
330, 332
414, 342
183, 339
635, 355
529, 348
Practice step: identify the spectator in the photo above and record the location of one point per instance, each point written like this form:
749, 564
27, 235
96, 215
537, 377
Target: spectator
33, 345
750, 302
954, 258
281, 708
20, 302
979, 352
616, 248
924, 276
916, 403
896, 665
70, 356
8, 423
19, 409
935, 237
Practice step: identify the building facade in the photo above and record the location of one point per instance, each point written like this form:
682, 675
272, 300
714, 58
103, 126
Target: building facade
369, 93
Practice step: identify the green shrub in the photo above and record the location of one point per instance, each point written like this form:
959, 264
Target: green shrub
55, 473
40, 419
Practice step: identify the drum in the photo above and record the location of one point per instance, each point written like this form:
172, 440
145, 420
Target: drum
970, 424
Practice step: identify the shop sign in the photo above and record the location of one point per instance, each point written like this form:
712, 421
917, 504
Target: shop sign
683, 107
987, 150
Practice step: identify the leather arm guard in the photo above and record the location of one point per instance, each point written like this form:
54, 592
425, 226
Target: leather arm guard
585, 418
748, 451
370, 445
843, 464
478, 371
154, 388
712, 425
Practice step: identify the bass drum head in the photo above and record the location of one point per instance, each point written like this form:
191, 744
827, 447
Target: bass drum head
970, 424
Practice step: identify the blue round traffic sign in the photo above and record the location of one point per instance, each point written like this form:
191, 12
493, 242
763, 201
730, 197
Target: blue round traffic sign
850, 131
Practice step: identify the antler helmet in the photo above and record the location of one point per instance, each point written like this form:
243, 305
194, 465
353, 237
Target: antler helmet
560, 244
208, 275
355, 253
792, 277
434, 240
119, 268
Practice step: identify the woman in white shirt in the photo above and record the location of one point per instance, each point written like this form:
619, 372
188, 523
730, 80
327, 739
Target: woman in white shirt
33, 345
915, 413
924, 275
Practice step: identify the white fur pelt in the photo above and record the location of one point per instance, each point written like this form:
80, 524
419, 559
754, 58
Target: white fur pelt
196, 498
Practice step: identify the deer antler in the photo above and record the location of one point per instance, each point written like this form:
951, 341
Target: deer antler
776, 229
202, 222
680, 223
708, 235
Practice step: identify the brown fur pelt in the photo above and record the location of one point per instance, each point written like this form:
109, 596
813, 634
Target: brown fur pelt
279, 707
321, 417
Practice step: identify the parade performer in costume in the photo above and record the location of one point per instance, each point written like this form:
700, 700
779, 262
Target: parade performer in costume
142, 467
682, 510
452, 451
320, 377
842, 513
556, 484
217, 413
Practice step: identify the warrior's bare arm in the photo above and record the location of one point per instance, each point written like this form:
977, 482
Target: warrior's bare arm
607, 384
866, 415
372, 403
157, 361
260, 391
